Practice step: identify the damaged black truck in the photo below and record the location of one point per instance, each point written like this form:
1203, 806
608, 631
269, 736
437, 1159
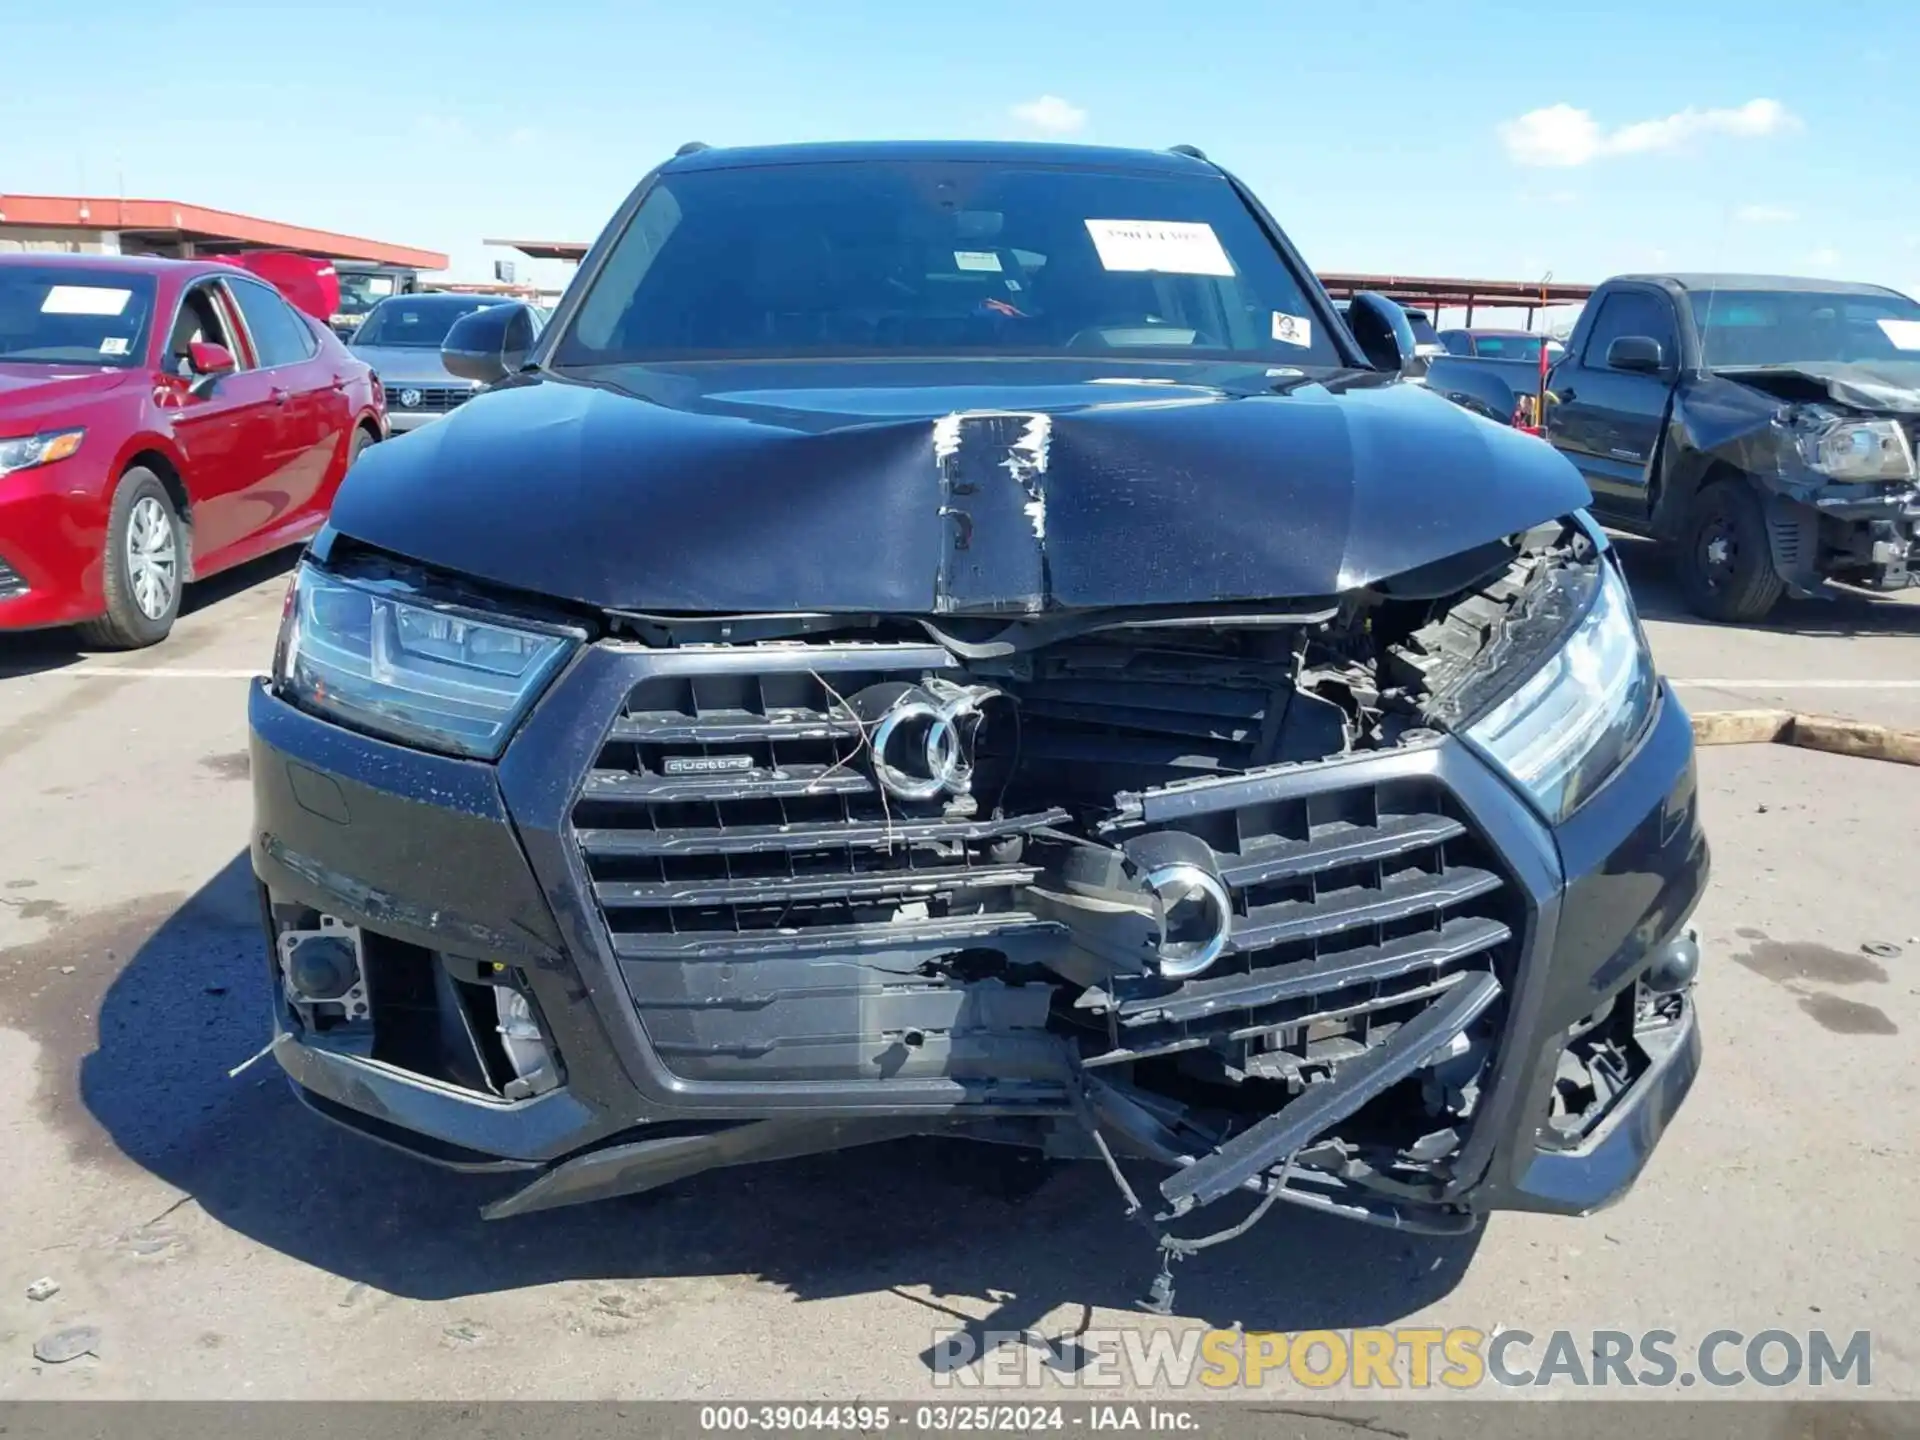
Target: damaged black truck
960, 640
1763, 427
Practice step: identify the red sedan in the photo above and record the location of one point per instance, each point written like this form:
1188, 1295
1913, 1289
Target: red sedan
159, 420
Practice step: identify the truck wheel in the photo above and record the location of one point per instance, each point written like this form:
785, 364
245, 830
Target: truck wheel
1726, 564
143, 567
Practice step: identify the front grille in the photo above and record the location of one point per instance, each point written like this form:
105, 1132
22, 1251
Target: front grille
435, 398
12, 584
777, 916
1355, 904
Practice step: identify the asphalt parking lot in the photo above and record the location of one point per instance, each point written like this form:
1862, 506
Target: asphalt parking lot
225, 1243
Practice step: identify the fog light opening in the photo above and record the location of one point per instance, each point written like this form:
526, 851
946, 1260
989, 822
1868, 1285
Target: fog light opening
323, 973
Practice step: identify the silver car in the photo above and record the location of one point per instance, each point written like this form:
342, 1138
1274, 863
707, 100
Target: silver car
400, 338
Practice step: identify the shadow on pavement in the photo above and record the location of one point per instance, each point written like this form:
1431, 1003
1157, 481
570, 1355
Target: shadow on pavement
34, 652
1842, 612
961, 1219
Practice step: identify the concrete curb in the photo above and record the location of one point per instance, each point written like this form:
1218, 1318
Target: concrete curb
1809, 732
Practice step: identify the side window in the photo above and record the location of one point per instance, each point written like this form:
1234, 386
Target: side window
1458, 342
1629, 312
279, 335
203, 318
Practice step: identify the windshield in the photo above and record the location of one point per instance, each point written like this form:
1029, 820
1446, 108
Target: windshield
944, 258
360, 290
416, 321
1776, 327
64, 315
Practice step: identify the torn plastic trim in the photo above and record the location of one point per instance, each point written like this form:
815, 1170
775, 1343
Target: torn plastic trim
1127, 1112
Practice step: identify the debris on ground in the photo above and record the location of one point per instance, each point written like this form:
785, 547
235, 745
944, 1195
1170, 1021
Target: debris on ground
45, 1288
68, 1344
1885, 949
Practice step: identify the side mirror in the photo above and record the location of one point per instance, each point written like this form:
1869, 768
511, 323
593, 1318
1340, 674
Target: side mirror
1640, 354
208, 362
1381, 327
489, 344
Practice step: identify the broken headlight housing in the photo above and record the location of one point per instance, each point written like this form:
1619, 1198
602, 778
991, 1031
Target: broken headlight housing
1574, 719
1847, 449
381, 656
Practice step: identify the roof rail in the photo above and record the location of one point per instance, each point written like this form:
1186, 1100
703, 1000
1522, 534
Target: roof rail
1194, 150
692, 147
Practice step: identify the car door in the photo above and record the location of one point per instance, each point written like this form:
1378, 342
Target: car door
314, 413
226, 427
1608, 421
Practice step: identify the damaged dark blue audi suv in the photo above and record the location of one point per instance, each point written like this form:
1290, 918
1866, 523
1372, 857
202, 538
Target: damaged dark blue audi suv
963, 640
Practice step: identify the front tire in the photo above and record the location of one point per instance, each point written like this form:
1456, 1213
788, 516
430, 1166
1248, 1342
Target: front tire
1726, 562
143, 569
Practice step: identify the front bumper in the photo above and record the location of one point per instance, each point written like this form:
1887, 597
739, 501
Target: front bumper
53, 523
480, 861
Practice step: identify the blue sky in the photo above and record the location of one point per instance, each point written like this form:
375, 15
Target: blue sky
1434, 138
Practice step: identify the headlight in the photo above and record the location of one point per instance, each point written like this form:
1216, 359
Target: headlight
382, 657
42, 449
1857, 449
1571, 722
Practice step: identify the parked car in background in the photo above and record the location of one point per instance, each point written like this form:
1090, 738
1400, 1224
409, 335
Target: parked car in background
308, 284
1763, 426
401, 338
1501, 344
159, 420
959, 638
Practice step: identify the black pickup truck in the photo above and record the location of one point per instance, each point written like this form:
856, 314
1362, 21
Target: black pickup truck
1765, 427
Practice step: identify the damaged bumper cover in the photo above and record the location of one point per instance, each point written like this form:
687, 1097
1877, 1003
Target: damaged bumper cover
557, 990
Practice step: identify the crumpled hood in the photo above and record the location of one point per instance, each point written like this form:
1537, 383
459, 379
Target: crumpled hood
1892, 386
932, 487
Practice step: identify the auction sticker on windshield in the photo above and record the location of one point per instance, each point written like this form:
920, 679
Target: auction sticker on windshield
84, 300
1176, 247
976, 260
1905, 334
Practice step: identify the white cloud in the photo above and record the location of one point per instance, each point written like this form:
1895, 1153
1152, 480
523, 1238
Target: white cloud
1564, 135
1825, 258
1765, 215
1050, 115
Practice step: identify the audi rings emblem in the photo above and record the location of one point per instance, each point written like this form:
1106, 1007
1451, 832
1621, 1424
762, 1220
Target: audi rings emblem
923, 744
